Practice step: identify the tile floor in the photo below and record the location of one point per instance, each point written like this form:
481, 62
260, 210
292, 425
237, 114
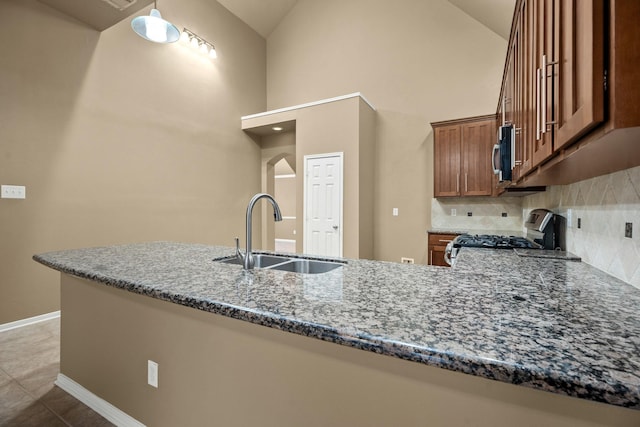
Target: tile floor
29, 364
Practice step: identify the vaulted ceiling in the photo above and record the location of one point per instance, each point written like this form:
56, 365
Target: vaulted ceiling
265, 15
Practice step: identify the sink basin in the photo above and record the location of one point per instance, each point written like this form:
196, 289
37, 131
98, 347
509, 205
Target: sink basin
284, 263
261, 260
307, 266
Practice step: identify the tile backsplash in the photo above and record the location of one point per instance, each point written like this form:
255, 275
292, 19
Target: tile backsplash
486, 214
604, 205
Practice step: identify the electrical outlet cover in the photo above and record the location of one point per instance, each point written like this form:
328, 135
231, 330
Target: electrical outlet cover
152, 373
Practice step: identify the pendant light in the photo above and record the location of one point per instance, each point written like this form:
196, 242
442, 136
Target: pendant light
154, 28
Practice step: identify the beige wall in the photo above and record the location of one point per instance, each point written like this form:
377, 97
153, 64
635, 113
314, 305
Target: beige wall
345, 126
118, 139
417, 62
332, 128
213, 370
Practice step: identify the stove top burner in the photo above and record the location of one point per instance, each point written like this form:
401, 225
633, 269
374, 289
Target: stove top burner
494, 242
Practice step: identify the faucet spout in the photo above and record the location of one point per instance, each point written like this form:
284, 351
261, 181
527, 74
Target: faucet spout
247, 260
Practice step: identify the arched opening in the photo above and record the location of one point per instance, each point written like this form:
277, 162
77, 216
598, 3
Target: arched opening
284, 191
279, 180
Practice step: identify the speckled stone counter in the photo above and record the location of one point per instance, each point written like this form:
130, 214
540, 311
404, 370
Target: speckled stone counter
547, 253
548, 324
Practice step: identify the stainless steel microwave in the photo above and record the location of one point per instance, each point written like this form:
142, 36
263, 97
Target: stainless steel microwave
503, 158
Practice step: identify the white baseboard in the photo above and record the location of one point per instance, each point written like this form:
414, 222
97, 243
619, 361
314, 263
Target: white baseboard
101, 406
29, 321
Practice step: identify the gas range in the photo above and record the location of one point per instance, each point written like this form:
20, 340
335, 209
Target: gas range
494, 241
542, 233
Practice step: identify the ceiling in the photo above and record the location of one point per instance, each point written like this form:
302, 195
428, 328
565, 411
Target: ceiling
265, 15
261, 15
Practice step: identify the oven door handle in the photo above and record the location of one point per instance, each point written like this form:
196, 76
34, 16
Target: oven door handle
447, 253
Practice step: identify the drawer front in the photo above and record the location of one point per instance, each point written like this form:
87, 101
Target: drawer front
440, 239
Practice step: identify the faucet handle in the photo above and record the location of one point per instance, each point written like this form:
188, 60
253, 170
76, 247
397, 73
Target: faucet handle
238, 253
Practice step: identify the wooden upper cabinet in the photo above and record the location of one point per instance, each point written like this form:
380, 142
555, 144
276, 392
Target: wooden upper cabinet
580, 43
462, 157
571, 87
446, 145
478, 138
544, 34
518, 100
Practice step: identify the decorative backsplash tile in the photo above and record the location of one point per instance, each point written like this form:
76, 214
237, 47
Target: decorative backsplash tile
603, 205
486, 214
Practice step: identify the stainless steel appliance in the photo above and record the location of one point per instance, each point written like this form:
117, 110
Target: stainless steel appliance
544, 231
503, 159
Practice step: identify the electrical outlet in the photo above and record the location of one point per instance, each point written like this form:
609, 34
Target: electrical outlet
395, 212
579, 222
504, 214
13, 192
152, 373
453, 212
469, 213
406, 260
628, 229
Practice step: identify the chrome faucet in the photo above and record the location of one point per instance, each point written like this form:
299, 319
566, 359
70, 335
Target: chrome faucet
247, 258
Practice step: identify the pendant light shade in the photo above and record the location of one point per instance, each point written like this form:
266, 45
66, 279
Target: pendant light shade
154, 28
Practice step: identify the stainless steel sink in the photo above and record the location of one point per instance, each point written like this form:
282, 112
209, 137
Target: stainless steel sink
307, 266
284, 263
261, 260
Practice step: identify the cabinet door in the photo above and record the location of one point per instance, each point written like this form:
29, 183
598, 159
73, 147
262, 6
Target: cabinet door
528, 125
447, 161
525, 89
581, 68
477, 141
544, 15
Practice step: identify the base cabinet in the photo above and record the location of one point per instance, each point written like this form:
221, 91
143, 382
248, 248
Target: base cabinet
436, 247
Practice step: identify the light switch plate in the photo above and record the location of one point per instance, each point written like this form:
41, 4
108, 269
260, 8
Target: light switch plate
13, 192
152, 373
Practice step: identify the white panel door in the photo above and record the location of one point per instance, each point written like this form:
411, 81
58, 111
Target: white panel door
323, 204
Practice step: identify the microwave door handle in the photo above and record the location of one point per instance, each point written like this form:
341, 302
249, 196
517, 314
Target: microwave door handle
495, 155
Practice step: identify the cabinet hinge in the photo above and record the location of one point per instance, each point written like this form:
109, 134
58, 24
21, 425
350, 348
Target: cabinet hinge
606, 87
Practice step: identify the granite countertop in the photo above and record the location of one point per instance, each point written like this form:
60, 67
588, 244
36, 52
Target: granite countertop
547, 253
474, 232
549, 324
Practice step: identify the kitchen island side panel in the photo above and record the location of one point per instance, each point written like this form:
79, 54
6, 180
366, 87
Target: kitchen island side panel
215, 370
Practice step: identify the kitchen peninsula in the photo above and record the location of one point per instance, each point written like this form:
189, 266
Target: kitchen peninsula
497, 340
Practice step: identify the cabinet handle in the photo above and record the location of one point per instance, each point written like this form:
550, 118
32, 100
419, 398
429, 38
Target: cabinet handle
466, 187
504, 107
445, 241
545, 76
457, 183
543, 96
537, 104
431, 257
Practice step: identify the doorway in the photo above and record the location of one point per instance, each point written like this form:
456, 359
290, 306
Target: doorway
284, 191
323, 204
